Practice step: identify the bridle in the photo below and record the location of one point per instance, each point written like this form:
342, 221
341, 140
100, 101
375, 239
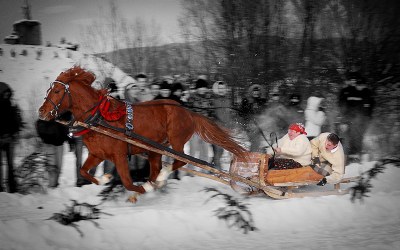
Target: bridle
55, 111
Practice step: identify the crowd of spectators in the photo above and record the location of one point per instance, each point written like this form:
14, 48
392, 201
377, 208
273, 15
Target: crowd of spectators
254, 112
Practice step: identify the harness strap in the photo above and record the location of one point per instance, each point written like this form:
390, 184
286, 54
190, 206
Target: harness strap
129, 125
101, 111
155, 144
92, 120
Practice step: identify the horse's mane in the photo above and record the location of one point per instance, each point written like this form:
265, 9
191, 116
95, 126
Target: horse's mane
76, 73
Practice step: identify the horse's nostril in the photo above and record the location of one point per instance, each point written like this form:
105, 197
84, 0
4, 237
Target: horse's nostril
41, 112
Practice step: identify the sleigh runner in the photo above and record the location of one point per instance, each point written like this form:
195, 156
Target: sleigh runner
247, 176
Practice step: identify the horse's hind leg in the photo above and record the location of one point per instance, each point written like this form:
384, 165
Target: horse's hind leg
91, 162
155, 165
167, 170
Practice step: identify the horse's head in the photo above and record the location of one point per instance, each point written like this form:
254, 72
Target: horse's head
59, 96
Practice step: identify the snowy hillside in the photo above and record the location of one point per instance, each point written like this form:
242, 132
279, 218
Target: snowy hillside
182, 215
30, 75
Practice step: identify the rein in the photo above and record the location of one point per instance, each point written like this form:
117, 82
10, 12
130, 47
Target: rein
54, 112
265, 138
99, 110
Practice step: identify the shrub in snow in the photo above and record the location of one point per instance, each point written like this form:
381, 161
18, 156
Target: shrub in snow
32, 174
235, 213
77, 212
364, 186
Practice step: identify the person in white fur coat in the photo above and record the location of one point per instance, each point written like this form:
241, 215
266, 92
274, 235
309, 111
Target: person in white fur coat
293, 149
315, 117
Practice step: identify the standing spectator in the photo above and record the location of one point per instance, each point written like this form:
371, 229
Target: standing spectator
112, 86
39, 54
53, 135
165, 91
131, 93
24, 52
143, 84
154, 89
13, 54
76, 145
201, 103
295, 112
222, 115
251, 106
176, 95
10, 125
315, 116
177, 90
356, 104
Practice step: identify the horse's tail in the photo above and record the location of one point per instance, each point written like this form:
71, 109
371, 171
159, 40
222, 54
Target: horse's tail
212, 133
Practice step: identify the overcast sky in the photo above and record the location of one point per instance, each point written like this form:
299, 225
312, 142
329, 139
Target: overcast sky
64, 18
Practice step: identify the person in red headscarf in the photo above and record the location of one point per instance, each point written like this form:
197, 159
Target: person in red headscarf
293, 150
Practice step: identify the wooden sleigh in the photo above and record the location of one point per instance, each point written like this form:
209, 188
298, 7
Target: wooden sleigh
245, 177
257, 171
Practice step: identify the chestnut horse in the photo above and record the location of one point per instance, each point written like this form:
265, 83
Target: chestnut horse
163, 121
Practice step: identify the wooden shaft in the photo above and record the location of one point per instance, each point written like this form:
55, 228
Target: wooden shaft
177, 157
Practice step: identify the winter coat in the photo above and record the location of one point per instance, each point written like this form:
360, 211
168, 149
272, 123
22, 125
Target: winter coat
314, 117
11, 122
298, 149
177, 86
356, 102
252, 106
201, 104
177, 99
222, 111
335, 159
52, 132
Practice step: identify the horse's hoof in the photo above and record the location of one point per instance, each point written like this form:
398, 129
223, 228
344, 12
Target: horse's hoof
104, 179
133, 198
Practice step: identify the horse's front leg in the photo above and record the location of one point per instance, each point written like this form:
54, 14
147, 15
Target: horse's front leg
91, 162
121, 163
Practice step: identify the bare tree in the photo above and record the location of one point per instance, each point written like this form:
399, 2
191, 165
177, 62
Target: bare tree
236, 37
112, 32
368, 33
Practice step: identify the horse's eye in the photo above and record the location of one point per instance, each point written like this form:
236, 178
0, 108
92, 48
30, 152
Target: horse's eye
56, 91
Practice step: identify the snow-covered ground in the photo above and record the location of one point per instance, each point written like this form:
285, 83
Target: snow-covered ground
182, 216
